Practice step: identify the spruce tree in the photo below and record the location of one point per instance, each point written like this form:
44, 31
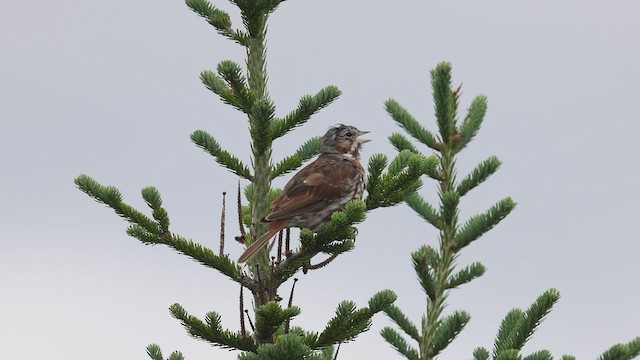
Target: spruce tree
270, 334
436, 268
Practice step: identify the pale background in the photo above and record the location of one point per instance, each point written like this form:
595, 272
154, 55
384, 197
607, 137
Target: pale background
110, 89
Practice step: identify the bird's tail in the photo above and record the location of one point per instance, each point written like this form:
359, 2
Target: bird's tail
275, 227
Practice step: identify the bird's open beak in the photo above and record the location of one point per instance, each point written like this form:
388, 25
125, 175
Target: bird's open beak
362, 141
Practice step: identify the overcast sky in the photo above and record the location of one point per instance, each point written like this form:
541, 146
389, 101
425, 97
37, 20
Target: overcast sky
111, 89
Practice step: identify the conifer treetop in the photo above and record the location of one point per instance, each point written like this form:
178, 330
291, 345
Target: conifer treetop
269, 334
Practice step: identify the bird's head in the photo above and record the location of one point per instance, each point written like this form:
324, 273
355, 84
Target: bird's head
343, 139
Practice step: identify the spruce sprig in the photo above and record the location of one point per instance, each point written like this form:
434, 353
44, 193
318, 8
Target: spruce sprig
435, 267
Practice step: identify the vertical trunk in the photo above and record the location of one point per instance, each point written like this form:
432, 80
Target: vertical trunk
257, 80
444, 266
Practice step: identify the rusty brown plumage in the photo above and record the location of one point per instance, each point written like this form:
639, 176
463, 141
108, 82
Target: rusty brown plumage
319, 189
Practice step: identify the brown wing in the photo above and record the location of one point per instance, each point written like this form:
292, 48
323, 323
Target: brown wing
318, 184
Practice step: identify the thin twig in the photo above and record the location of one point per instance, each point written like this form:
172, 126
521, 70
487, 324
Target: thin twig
322, 263
222, 218
335, 357
260, 288
242, 233
253, 328
293, 287
243, 331
273, 288
287, 246
279, 248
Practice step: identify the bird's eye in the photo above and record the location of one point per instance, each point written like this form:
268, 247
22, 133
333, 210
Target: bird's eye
349, 134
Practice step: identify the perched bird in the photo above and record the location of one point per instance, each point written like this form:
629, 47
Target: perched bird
319, 189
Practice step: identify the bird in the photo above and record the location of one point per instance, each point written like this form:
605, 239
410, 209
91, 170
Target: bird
321, 188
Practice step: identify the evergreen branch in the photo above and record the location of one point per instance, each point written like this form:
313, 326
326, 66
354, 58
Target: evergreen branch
162, 218
155, 353
334, 238
479, 224
539, 355
402, 179
338, 247
435, 268
308, 337
110, 196
626, 351
136, 217
616, 352
197, 252
424, 260
448, 329
211, 330
208, 258
510, 354
634, 347
381, 300
208, 11
410, 124
480, 354
465, 275
307, 106
176, 355
472, 122
217, 85
232, 75
152, 197
400, 162
253, 8
377, 163
568, 357
376, 166
399, 343
398, 317
424, 209
345, 325
444, 100
402, 143
449, 201
219, 19
348, 322
260, 120
305, 152
206, 142
248, 356
341, 223
403, 159
327, 353
147, 231
479, 174
521, 325
310, 148
270, 317
506, 333
287, 347
271, 5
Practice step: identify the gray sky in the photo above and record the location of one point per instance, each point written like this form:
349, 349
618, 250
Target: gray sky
111, 89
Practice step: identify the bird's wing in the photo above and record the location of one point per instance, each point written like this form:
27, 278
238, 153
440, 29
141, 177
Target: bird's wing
313, 188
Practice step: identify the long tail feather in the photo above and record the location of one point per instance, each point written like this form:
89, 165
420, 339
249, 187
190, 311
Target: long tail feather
276, 226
